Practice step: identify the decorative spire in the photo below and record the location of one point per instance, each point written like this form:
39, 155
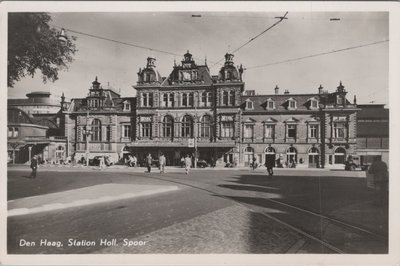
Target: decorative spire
276, 89
340, 87
320, 89
355, 99
96, 84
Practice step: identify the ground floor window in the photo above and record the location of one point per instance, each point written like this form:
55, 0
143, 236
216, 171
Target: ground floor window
248, 156
313, 157
340, 156
228, 158
60, 152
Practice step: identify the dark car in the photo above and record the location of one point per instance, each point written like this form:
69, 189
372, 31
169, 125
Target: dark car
202, 164
96, 161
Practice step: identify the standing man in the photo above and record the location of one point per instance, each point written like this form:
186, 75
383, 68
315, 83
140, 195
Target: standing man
270, 163
149, 160
134, 161
34, 166
188, 164
161, 161
381, 179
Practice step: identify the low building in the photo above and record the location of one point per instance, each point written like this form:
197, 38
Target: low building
372, 133
34, 128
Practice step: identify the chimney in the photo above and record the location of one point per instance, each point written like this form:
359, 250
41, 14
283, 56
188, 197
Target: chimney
287, 92
250, 93
276, 89
320, 91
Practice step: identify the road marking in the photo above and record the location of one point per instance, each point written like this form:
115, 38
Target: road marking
80, 202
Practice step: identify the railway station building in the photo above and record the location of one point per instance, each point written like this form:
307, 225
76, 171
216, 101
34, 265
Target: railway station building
211, 118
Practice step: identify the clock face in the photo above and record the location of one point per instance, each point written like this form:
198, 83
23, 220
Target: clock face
186, 75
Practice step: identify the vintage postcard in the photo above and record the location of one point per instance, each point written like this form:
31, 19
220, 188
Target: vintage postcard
182, 133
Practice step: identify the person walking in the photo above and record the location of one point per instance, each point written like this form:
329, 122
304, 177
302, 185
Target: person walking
254, 165
269, 164
381, 179
34, 166
188, 164
161, 161
101, 162
149, 160
134, 161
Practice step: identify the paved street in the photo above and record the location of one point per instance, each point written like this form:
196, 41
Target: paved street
69, 210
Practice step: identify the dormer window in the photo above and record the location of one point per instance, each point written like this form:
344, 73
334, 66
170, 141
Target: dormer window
127, 106
292, 104
249, 105
313, 103
270, 104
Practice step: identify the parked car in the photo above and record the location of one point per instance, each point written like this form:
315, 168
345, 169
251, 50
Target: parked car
96, 161
202, 164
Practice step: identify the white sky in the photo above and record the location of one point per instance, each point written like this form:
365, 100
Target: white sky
363, 71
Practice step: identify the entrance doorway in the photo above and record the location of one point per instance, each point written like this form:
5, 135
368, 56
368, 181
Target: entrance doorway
269, 154
248, 156
291, 156
313, 158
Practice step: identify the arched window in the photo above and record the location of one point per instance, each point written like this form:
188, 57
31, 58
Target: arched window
248, 156
167, 126
96, 130
340, 155
270, 150
187, 126
313, 157
205, 130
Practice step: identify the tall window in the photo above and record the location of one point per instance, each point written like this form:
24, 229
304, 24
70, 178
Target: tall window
127, 106
96, 130
191, 100
205, 130
167, 127
291, 131
313, 131
249, 105
269, 131
314, 104
187, 126
339, 130
184, 99
108, 135
171, 100
146, 130
126, 131
206, 99
165, 100
232, 97
225, 98
147, 99
227, 129
248, 131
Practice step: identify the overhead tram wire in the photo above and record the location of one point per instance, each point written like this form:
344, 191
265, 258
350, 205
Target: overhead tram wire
121, 42
255, 37
315, 55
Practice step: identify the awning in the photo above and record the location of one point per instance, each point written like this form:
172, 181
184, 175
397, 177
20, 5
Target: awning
181, 145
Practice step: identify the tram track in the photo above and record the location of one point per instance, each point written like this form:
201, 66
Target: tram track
347, 228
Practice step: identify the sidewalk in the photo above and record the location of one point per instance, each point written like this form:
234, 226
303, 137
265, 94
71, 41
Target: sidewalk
173, 169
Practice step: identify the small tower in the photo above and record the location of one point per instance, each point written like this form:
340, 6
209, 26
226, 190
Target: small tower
63, 107
229, 59
95, 84
340, 88
320, 89
151, 62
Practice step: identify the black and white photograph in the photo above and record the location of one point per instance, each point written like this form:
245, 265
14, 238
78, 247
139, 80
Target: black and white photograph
188, 129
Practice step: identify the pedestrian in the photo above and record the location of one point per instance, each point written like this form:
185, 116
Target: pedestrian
254, 165
34, 166
188, 163
130, 160
269, 164
101, 162
161, 161
134, 161
182, 162
381, 179
149, 160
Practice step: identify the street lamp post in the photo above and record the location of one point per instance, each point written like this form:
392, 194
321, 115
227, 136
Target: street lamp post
87, 132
